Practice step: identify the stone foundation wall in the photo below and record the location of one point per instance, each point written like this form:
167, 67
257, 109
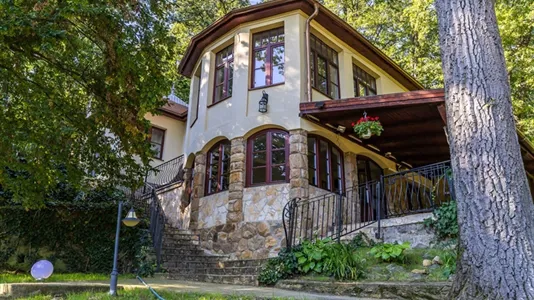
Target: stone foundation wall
176, 214
265, 203
250, 240
213, 210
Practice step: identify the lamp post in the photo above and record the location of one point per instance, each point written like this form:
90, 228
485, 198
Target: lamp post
130, 221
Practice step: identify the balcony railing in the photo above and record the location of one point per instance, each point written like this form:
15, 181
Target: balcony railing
166, 174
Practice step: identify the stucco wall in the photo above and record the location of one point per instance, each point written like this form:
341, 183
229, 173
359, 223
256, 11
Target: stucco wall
213, 210
174, 136
238, 115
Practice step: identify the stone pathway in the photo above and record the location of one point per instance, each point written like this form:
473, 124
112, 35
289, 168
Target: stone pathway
226, 289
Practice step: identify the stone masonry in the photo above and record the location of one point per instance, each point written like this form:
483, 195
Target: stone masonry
298, 164
198, 188
237, 183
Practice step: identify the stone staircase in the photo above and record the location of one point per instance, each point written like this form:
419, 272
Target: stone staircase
184, 259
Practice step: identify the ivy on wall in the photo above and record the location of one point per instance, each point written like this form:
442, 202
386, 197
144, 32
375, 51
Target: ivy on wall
76, 234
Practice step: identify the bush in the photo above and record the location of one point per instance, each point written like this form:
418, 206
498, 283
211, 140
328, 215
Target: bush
328, 258
280, 267
445, 221
342, 262
75, 231
390, 252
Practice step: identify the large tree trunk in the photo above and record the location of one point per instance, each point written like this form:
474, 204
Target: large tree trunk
495, 210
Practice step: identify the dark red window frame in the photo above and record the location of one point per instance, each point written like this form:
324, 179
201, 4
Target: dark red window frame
220, 147
278, 34
226, 63
364, 80
162, 145
318, 162
268, 157
319, 51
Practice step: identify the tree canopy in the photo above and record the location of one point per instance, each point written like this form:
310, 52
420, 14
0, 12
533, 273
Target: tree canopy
76, 79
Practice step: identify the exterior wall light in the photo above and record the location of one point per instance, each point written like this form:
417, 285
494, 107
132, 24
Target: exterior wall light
263, 103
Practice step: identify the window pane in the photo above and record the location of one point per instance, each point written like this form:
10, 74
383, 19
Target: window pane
219, 76
324, 163
259, 59
334, 91
278, 74
259, 175
257, 40
212, 186
225, 182
278, 157
157, 149
157, 136
336, 169
321, 67
259, 159
230, 88
278, 140
278, 173
218, 93
281, 37
311, 145
260, 143
312, 176
333, 74
260, 77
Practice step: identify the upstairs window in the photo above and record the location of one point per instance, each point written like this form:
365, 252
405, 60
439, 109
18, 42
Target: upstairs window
325, 164
324, 68
218, 168
364, 83
269, 58
268, 157
157, 139
224, 74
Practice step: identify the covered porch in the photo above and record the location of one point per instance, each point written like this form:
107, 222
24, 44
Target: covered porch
414, 138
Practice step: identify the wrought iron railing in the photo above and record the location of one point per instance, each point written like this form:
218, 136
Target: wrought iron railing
338, 214
332, 215
166, 174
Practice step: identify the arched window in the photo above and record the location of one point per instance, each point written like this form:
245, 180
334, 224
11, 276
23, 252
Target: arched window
218, 168
368, 170
325, 164
268, 157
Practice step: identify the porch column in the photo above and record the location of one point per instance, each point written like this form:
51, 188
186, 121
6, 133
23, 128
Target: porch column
199, 180
352, 211
237, 184
298, 162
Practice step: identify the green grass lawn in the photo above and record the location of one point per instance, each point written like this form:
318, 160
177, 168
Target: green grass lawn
17, 278
144, 294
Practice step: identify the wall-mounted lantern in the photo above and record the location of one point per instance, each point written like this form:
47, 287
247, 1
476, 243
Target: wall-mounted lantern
263, 103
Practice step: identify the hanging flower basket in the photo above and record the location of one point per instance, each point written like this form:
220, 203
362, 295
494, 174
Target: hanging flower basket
366, 127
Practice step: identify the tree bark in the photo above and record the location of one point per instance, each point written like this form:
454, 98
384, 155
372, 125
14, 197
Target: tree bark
495, 209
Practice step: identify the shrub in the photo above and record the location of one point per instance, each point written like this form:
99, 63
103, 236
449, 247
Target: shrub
280, 267
342, 262
445, 221
311, 256
390, 252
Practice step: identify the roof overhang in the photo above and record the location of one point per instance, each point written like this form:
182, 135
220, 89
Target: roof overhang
174, 110
414, 125
325, 18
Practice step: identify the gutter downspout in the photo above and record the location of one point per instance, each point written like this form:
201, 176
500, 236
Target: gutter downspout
308, 59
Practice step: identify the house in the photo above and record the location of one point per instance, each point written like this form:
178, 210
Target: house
268, 137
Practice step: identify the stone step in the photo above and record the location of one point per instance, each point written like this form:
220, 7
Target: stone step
181, 247
182, 236
181, 251
244, 263
178, 243
234, 271
177, 264
205, 258
233, 279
